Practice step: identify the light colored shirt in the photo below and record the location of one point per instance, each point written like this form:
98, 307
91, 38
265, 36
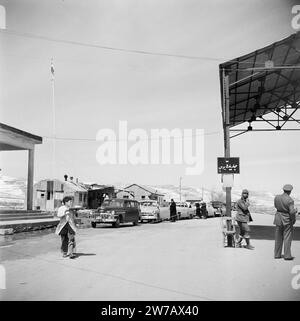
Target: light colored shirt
66, 216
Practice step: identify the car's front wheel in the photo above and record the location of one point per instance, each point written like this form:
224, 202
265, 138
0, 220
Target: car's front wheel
94, 224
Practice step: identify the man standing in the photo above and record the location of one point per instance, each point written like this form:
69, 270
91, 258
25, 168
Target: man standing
66, 228
243, 217
173, 211
284, 220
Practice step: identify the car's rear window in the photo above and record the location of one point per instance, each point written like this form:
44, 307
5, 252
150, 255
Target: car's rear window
148, 204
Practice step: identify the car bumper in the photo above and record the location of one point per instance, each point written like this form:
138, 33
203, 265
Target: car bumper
148, 217
100, 219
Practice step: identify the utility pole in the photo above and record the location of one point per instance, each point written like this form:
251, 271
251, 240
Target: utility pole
53, 119
180, 178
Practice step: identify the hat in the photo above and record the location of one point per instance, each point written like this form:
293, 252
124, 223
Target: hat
287, 187
245, 191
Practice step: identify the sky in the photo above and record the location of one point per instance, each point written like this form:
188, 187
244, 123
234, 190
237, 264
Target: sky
95, 88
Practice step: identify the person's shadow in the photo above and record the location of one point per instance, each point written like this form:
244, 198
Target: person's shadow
83, 254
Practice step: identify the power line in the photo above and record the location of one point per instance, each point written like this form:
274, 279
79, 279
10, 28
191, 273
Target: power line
117, 49
119, 140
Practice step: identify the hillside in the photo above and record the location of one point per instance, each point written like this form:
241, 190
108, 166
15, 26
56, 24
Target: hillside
13, 194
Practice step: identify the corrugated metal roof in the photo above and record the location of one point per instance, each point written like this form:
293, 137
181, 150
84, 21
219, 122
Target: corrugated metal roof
256, 90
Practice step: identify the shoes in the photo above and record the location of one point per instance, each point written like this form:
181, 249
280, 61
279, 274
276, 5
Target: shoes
289, 258
277, 257
250, 247
72, 256
65, 255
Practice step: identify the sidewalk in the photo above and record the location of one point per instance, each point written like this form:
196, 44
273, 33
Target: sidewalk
184, 260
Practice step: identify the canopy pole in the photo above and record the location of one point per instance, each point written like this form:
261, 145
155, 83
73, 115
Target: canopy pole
226, 102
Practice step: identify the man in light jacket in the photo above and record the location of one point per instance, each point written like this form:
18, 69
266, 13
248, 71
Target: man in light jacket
66, 228
284, 219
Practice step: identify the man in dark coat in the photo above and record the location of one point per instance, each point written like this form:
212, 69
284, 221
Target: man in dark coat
284, 220
173, 211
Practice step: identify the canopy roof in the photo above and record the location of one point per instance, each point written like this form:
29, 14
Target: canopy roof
263, 82
15, 139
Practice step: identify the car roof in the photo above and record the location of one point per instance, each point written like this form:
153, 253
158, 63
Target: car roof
120, 199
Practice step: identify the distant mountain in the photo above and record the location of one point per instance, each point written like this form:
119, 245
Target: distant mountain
12, 192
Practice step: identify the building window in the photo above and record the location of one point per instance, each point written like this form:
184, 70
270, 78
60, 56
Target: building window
80, 197
143, 197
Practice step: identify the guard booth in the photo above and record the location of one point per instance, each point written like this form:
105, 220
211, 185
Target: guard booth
260, 91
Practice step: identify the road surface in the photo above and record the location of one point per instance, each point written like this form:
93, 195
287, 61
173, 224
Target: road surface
184, 260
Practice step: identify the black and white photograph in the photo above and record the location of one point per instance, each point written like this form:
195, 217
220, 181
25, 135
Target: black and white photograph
149, 153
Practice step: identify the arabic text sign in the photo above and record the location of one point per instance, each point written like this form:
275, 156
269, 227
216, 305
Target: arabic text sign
228, 165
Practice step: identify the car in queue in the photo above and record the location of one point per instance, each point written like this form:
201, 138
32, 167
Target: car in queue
184, 211
210, 210
218, 205
116, 211
150, 211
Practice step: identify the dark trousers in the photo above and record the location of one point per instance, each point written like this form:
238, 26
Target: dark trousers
173, 217
283, 236
68, 243
244, 229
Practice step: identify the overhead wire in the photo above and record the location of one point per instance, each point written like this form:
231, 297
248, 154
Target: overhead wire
111, 48
119, 140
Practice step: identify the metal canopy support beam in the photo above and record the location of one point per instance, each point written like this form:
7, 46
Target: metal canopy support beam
227, 145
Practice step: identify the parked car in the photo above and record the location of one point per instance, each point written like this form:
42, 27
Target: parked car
184, 211
116, 211
218, 212
150, 211
210, 210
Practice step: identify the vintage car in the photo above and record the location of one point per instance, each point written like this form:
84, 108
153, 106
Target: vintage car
210, 210
218, 206
184, 211
150, 211
116, 211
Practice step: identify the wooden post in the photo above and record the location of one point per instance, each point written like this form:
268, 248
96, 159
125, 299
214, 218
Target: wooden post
30, 178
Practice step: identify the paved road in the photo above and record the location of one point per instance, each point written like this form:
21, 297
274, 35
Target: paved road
184, 260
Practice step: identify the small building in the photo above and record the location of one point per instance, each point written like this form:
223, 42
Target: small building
140, 193
49, 193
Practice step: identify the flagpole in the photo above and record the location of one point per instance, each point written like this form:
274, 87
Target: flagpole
53, 119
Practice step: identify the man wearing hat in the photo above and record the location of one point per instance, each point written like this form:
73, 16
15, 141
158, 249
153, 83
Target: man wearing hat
243, 217
284, 220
